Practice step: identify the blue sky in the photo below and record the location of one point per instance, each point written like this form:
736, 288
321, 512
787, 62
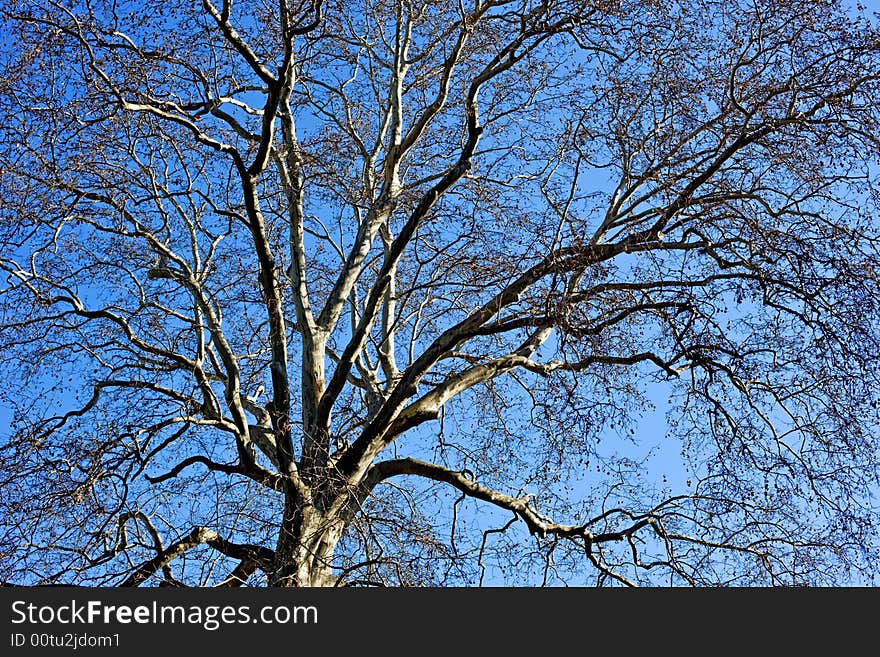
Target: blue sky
650, 442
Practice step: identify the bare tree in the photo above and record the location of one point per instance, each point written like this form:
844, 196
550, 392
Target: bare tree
333, 293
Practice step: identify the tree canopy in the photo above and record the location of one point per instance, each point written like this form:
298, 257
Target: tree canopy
382, 293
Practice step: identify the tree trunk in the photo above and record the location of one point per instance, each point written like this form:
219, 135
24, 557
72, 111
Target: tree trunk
304, 554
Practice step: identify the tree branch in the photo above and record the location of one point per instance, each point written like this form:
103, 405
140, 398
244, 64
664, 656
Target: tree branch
259, 556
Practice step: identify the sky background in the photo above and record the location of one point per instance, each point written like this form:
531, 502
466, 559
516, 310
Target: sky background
654, 447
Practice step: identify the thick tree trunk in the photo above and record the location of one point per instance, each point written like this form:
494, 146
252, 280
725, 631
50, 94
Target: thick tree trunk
304, 553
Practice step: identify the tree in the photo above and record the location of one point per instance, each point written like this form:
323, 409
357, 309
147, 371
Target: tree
326, 293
